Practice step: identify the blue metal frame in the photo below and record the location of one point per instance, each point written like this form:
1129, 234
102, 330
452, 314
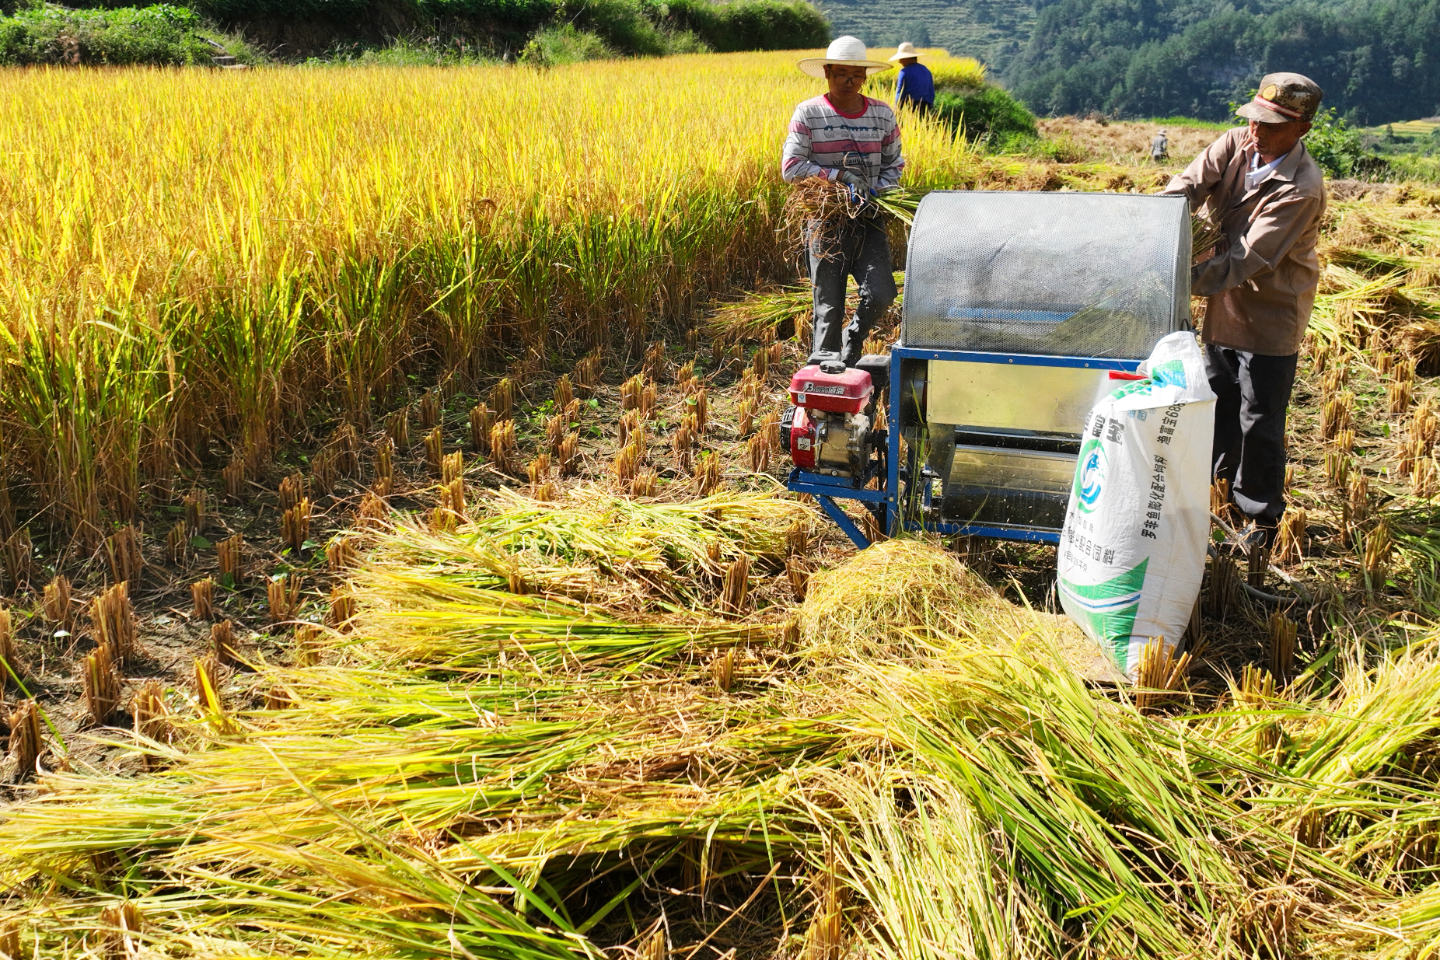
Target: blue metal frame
827, 489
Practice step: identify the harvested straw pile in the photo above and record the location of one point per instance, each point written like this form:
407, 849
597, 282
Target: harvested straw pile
885, 595
971, 800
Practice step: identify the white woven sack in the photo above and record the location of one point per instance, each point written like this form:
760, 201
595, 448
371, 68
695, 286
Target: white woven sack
1132, 551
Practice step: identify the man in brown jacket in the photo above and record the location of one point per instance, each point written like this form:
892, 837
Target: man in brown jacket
1265, 192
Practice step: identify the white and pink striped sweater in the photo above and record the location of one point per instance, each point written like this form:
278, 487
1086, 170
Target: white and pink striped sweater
822, 140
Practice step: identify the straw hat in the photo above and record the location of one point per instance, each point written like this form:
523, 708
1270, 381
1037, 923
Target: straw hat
905, 51
844, 52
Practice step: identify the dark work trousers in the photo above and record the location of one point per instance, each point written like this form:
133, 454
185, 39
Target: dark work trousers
856, 248
1252, 392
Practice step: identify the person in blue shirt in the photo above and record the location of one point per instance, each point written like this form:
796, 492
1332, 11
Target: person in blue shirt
915, 85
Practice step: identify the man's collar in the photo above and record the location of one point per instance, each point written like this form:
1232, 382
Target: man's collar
1291, 164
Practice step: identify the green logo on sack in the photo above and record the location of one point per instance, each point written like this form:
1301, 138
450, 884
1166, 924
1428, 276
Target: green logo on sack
1171, 373
1089, 475
1107, 610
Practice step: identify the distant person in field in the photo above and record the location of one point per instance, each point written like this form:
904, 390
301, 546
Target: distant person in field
846, 137
1265, 192
1160, 147
915, 85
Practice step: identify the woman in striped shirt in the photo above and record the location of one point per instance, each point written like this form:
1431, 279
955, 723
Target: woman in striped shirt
846, 137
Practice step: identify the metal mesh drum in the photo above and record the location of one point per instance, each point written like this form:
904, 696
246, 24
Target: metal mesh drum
1070, 274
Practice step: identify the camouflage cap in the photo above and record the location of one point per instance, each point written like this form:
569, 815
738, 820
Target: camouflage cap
1283, 97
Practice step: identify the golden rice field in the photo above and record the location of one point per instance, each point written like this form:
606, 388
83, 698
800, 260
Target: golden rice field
561, 673
192, 263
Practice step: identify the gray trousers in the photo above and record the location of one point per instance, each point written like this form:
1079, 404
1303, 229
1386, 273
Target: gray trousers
1252, 393
856, 248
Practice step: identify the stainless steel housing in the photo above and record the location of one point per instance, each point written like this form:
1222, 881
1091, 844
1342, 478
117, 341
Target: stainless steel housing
1014, 276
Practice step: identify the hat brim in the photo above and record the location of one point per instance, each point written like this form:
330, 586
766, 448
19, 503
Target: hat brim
815, 66
906, 56
1253, 111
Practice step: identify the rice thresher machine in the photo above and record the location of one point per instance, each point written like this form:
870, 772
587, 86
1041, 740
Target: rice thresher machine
1020, 312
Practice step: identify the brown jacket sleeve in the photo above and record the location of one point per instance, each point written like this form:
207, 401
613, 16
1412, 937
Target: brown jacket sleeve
1274, 230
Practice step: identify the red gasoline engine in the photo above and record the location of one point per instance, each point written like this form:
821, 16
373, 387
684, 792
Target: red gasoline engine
828, 430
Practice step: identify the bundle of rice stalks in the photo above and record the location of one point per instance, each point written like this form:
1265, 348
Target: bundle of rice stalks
233, 475
282, 592
1399, 394
202, 599
481, 421
758, 448
397, 428
1290, 537
340, 554
1376, 556
707, 473
762, 316
323, 473
292, 490
151, 714
177, 543
295, 525
568, 455
341, 614
883, 596
223, 648
112, 622
645, 485
600, 548
629, 460
434, 450
1422, 478
745, 417
344, 447
556, 427
25, 741
229, 554
1283, 633
502, 446
586, 375
630, 428
815, 206
1335, 416
19, 560
564, 392
1161, 673
735, 590
384, 461
9, 663
537, 471
1204, 235
57, 603
197, 509
997, 813
429, 410
102, 685
502, 398
1356, 506
632, 393
122, 550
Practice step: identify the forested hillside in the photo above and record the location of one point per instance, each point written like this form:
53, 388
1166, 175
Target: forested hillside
992, 31
1378, 60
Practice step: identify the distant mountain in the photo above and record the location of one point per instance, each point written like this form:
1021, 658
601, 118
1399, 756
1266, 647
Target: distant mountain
992, 31
1378, 60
